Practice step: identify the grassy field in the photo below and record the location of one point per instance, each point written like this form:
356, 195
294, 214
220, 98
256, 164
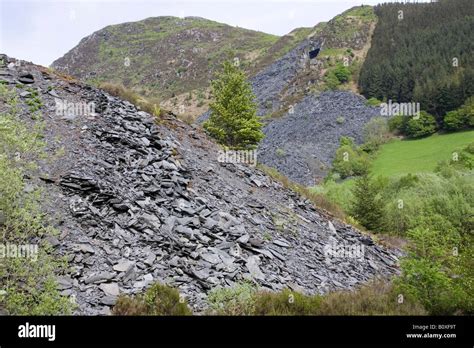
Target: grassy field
417, 156
401, 157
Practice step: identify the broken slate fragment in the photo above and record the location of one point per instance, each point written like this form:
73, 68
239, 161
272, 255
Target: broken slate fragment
85, 248
124, 266
202, 274
100, 277
110, 289
281, 243
252, 265
211, 258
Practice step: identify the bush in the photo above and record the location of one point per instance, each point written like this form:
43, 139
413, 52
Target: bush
376, 132
348, 160
280, 152
348, 141
331, 81
373, 102
427, 196
423, 126
454, 120
157, 300
342, 73
375, 298
340, 120
237, 300
432, 273
468, 110
462, 117
464, 159
397, 124
435, 213
286, 302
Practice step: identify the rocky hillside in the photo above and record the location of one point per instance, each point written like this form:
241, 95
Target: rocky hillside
138, 200
304, 125
343, 40
302, 144
162, 56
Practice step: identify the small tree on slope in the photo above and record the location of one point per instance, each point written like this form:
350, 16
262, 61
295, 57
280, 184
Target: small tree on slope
234, 121
367, 208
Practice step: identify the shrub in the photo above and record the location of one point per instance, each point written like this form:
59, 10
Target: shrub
342, 73
462, 117
280, 152
436, 215
375, 298
157, 300
432, 273
464, 159
376, 132
331, 81
346, 141
428, 195
286, 302
378, 297
348, 160
468, 110
454, 120
397, 124
373, 102
340, 120
423, 126
236, 300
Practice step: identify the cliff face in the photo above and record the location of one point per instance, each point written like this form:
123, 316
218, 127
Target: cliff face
139, 200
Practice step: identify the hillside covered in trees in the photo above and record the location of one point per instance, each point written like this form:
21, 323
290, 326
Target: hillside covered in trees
422, 53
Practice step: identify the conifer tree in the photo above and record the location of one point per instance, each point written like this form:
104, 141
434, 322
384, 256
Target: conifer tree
366, 207
234, 121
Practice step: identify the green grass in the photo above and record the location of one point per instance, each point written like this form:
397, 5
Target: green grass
400, 157
418, 156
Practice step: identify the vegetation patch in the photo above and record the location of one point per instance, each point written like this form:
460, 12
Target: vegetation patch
375, 298
27, 281
157, 300
119, 90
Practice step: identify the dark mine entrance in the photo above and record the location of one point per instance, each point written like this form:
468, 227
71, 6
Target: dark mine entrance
313, 53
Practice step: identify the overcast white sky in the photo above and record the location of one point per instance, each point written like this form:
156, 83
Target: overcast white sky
43, 30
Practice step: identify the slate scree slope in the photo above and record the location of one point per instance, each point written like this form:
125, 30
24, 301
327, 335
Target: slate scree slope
137, 201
